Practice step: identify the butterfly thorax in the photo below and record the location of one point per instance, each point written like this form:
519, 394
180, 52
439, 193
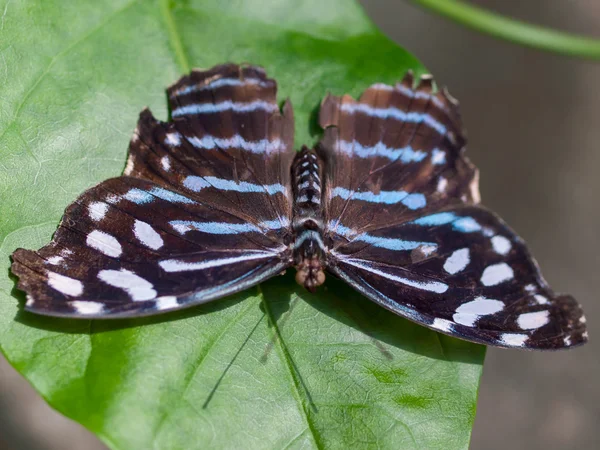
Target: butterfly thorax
307, 224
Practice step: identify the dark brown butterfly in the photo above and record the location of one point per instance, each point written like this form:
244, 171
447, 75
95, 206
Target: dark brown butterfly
217, 200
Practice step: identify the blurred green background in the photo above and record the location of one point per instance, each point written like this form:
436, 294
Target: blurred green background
532, 121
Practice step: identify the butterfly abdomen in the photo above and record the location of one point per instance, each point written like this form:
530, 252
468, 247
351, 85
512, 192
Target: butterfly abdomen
307, 224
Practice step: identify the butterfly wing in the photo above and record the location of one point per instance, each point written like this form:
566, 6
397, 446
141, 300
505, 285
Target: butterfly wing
407, 233
202, 210
397, 149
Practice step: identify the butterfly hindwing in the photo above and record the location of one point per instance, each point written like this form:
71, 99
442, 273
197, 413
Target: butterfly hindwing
405, 229
202, 210
463, 272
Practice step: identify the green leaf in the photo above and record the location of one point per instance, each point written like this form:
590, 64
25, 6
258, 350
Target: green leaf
274, 367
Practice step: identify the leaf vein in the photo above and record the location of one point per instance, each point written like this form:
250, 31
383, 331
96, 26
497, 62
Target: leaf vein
200, 360
291, 370
174, 37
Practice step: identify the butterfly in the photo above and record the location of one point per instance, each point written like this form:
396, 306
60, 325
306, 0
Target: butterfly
217, 200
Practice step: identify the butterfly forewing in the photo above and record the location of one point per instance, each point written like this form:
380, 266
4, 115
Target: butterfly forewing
202, 211
405, 230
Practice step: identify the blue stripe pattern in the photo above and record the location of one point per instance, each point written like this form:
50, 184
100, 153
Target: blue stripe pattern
436, 219
432, 286
196, 184
462, 224
175, 265
411, 201
183, 226
140, 196
222, 82
421, 95
227, 105
404, 154
236, 141
395, 113
382, 242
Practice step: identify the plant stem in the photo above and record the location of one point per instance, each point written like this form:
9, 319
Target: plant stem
513, 30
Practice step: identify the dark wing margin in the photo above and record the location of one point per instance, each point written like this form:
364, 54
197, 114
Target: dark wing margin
404, 228
202, 211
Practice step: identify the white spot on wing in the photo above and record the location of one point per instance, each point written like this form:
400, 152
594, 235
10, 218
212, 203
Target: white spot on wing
533, 320
55, 260
173, 139
147, 235
468, 313
438, 157
104, 243
87, 308
513, 339
540, 299
97, 210
457, 261
442, 184
501, 245
138, 288
167, 302
112, 199
567, 340
487, 232
65, 285
129, 165
427, 249
165, 162
496, 274
443, 324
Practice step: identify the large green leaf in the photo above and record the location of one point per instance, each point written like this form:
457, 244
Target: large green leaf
272, 368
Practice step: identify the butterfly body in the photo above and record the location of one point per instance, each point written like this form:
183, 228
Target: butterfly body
308, 228
217, 200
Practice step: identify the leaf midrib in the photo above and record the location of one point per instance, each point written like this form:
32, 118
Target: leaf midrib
285, 357
174, 37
